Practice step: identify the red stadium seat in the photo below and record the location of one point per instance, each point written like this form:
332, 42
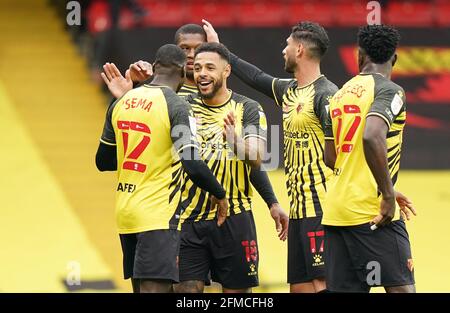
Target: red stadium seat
219, 13
351, 13
442, 13
314, 11
260, 13
98, 16
165, 13
407, 13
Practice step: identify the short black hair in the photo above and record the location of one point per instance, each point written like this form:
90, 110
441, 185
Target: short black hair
378, 42
189, 29
218, 48
170, 55
315, 35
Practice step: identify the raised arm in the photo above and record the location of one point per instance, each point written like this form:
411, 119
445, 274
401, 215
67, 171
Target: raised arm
248, 73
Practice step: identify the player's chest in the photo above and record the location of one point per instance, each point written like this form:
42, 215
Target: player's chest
298, 108
211, 121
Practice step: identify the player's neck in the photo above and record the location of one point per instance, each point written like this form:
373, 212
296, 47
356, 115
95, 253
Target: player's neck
382, 69
221, 97
190, 82
164, 81
307, 73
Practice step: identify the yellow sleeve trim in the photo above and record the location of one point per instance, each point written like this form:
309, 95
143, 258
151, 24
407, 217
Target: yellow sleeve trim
186, 146
273, 92
256, 136
380, 115
107, 143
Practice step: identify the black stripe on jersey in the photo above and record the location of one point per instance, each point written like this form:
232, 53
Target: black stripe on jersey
392, 148
399, 122
394, 178
246, 182
302, 191
395, 164
393, 133
176, 177
231, 189
393, 158
239, 194
322, 175
214, 169
395, 154
191, 194
174, 192
312, 186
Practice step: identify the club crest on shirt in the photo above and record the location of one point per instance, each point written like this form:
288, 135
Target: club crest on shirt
299, 107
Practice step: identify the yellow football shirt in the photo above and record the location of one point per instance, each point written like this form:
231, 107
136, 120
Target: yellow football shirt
304, 116
353, 197
141, 125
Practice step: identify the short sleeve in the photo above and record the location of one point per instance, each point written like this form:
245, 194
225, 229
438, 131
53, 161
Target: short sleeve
389, 102
254, 121
182, 122
322, 108
279, 87
108, 136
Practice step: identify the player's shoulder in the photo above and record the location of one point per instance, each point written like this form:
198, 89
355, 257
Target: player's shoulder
192, 98
286, 83
324, 86
383, 84
244, 101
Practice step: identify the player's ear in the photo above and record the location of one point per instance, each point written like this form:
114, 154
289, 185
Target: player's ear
300, 49
394, 59
227, 70
360, 59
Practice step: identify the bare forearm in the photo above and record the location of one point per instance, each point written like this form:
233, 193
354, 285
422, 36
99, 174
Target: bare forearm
330, 154
375, 152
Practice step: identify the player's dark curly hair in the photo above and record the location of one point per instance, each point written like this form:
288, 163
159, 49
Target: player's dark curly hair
315, 35
170, 55
378, 42
218, 48
189, 29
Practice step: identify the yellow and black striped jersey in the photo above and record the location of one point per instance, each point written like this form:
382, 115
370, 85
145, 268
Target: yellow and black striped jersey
353, 196
186, 90
141, 124
232, 173
304, 119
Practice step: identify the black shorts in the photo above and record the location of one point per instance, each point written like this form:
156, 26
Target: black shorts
305, 250
228, 252
151, 254
359, 258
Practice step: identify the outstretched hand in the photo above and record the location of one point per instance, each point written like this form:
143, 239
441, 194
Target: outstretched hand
117, 84
140, 71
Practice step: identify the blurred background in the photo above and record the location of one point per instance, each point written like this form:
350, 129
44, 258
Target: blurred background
57, 224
